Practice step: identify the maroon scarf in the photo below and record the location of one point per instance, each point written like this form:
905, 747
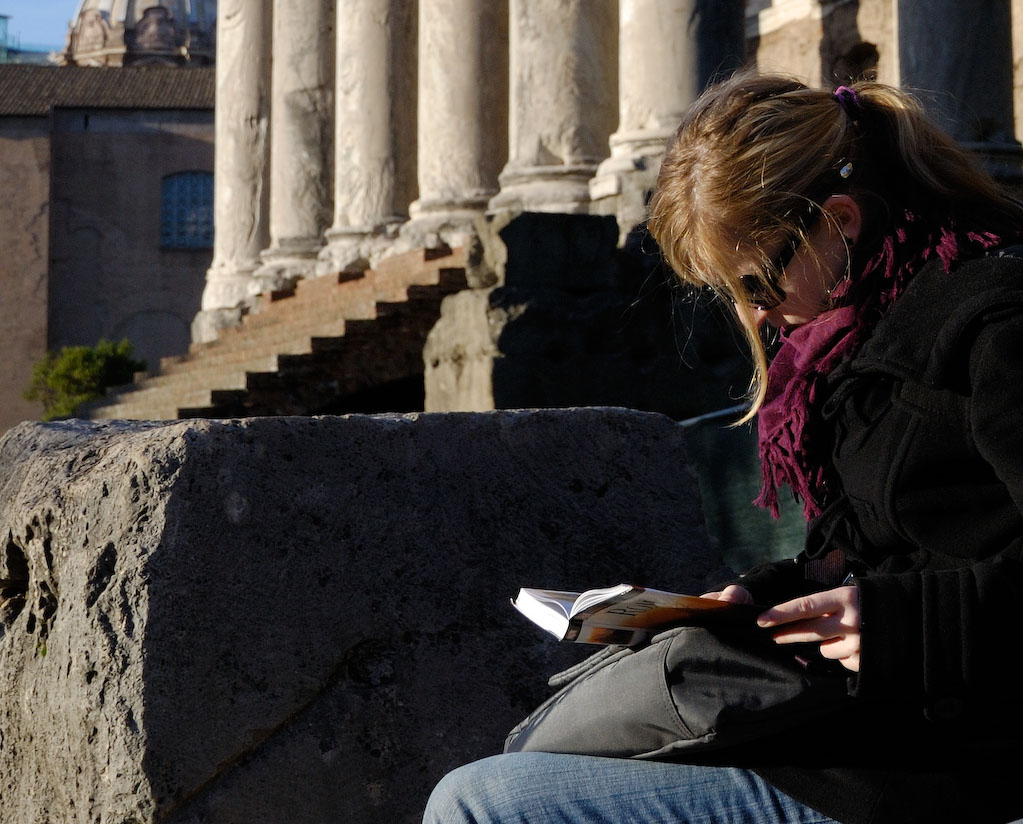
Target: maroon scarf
789, 451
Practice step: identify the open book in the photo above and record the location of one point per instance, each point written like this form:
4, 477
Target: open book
623, 614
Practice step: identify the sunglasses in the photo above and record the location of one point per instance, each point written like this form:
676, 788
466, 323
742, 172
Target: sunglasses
764, 292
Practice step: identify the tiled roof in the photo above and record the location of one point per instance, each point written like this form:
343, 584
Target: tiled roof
33, 90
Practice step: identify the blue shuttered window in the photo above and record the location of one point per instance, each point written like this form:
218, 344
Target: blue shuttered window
186, 211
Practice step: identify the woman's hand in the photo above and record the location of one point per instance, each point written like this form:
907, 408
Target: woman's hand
831, 618
732, 593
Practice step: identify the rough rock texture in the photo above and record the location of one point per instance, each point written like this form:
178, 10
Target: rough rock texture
303, 619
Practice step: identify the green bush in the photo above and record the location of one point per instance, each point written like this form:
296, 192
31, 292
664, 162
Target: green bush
78, 374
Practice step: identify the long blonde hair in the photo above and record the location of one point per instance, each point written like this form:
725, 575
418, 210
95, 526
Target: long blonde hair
755, 155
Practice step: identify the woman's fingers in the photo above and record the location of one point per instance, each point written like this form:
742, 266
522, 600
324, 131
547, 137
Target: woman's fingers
733, 593
843, 601
813, 630
830, 618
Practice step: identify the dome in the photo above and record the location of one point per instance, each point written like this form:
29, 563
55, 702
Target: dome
138, 32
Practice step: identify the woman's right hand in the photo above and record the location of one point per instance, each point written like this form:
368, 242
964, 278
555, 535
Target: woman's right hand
732, 593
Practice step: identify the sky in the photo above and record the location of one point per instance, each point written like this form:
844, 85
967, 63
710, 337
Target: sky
38, 23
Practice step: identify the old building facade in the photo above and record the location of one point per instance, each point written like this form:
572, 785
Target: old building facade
107, 223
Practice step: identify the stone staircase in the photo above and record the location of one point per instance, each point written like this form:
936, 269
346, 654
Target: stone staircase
331, 345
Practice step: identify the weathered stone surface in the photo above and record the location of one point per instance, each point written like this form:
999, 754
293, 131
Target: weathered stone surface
241, 197
302, 144
303, 619
562, 72
669, 50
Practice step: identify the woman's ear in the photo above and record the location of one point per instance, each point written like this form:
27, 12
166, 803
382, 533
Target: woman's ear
846, 213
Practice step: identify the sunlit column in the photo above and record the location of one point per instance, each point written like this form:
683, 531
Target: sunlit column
301, 140
563, 104
463, 110
374, 135
241, 164
668, 50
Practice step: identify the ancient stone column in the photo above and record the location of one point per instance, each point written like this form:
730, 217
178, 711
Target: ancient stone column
463, 112
374, 138
241, 165
302, 139
968, 88
668, 50
563, 106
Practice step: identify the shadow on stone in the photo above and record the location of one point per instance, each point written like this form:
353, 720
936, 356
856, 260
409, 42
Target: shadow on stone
306, 619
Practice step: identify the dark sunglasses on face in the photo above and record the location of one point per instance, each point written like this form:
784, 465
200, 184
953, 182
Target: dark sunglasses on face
764, 292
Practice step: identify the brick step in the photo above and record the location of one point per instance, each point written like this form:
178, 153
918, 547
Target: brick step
198, 371
226, 355
301, 317
421, 260
159, 397
163, 406
238, 360
301, 350
324, 308
246, 336
228, 366
254, 348
324, 322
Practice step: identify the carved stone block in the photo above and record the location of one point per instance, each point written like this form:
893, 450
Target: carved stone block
304, 619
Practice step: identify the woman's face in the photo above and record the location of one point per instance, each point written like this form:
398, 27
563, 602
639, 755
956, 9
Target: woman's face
814, 269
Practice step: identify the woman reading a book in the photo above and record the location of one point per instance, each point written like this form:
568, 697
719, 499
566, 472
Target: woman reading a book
889, 268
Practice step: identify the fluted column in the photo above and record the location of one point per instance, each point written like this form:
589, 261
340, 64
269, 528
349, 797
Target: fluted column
302, 139
463, 111
563, 106
668, 50
241, 163
374, 138
968, 88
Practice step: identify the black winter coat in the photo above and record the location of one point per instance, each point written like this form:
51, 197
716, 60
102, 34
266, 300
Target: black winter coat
926, 428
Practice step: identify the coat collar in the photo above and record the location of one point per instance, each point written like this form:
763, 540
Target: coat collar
932, 321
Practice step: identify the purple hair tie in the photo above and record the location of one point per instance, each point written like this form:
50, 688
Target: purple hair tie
850, 102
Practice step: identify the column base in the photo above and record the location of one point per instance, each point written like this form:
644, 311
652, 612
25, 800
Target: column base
623, 182
286, 263
622, 187
208, 323
561, 189
441, 223
227, 292
354, 248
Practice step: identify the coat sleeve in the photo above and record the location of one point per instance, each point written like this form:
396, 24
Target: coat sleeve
945, 633
813, 569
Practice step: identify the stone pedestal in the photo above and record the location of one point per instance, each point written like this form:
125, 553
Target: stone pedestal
302, 145
241, 192
668, 51
558, 316
564, 65
374, 138
463, 116
305, 619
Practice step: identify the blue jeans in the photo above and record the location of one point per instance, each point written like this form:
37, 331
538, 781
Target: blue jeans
580, 789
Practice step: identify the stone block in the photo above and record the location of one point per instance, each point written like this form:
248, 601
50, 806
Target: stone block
304, 619
558, 251
558, 315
